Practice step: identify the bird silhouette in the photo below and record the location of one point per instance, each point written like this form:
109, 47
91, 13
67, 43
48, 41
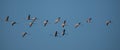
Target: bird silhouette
24, 34
28, 17
30, 24
13, 22
64, 23
76, 25
57, 20
108, 22
63, 32
34, 18
7, 18
45, 22
89, 20
56, 34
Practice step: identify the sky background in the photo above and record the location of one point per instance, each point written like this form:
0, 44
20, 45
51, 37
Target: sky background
89, 36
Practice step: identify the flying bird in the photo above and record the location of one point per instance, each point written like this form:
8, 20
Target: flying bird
89, 20
13, 22
7, 18
45, 22
30, 24
24, 34
57, 20
56, 34
108, 22
34, 18
63, 32
76, 25
28, 17
64, 23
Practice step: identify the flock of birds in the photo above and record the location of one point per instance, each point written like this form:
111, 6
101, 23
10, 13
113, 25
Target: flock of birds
56, 21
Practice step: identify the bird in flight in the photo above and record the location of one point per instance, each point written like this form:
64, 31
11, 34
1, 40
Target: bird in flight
28, 17
89, 20
45, 22
13, 22
24, 34
7, 18
63, 32
56, 34
30, 24
76, 25
34, 18
64, 23
57, 20
108, 22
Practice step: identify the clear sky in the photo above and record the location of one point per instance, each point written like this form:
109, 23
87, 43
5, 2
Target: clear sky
88, 36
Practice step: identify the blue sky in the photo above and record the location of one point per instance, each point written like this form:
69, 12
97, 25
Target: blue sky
89, 36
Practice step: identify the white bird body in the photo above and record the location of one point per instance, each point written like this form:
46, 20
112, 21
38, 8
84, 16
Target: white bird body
45, 22
34, 18
57, 20
76, 25
64, 23
30, 24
